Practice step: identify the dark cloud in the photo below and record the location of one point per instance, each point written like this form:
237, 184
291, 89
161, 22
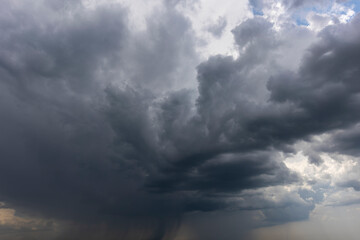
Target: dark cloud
51, 131
325, 88
343, 142
70, 141
227, 173
98, 126
311, 101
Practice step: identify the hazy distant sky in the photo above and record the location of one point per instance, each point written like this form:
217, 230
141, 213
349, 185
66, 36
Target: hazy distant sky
179, 120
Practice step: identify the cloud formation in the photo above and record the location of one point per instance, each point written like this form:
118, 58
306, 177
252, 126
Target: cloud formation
122, 131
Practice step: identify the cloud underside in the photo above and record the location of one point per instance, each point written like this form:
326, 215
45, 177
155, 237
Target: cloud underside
96, 125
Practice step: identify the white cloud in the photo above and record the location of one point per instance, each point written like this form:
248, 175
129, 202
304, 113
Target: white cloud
205, 13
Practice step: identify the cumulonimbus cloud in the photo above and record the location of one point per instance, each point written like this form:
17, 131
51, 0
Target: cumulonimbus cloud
95, 125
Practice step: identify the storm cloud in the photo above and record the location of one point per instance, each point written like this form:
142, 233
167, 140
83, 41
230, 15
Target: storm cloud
122, 131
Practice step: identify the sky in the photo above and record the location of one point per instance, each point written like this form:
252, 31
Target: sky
179, 119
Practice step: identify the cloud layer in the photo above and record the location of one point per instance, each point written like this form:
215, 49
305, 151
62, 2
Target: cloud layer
121, 131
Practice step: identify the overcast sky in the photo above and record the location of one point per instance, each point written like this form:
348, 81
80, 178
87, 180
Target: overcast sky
179, 119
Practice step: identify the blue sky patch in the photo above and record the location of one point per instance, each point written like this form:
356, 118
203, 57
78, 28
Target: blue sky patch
354, 4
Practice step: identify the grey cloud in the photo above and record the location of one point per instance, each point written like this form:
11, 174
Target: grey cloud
259, 40
300, 3
355, 184
314, 157
66, 153
50, 131
255, 31
288, 213
316, 196
325, 87
217, 29
343, 142
228, 173
278, 206
78, 103
311, 101
97, 125
234, 123
256, 4
148, 65
346, 203
292, 5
